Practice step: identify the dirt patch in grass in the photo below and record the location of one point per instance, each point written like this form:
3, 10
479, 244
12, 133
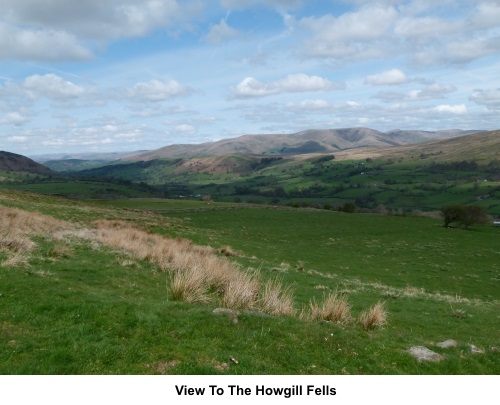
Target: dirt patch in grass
163, 367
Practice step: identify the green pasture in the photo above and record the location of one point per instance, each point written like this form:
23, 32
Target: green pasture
79, 308
79, 189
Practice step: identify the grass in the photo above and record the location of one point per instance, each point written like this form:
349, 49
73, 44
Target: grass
94, 295
375, 317
334, 308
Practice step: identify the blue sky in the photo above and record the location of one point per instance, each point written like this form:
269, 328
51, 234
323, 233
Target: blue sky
123, 75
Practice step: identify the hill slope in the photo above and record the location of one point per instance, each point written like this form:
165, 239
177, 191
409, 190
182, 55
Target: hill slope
17, 163
480, 147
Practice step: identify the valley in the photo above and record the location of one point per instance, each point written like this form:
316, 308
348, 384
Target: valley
245, 264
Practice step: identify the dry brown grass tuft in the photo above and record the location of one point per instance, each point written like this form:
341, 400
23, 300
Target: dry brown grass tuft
375, 317
17, 227
189, 285
240, 291
334, 308
228, 251
28, 223
197, 272
276, 299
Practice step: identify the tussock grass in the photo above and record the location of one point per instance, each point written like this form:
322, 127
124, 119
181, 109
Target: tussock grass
277, 299
197, 272
28, 223
17, 227
334, 308
189, 285
241, 292
374, 317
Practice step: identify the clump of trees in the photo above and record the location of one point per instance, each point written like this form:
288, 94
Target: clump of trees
464, 215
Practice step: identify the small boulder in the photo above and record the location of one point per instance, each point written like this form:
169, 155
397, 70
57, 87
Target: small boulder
422, 353
475, 350
446, 344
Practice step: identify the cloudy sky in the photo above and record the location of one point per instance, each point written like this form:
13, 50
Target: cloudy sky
122, 75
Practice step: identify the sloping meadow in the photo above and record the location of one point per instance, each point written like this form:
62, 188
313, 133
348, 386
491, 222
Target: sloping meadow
195, 273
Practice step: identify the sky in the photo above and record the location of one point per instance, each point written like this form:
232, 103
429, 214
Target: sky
126, 75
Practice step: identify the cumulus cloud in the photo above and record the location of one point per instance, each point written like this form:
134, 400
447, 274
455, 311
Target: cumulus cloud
278, 4
427, 27
379, 29
312, 106
157, 90
430, 92
62, 29
350, 35
17, 139
320, 106
40, 44
487, 14
220, 32
389, 77
52, 86
489, 98
453, 109
295, 83
96, 18
185, 129
14, 118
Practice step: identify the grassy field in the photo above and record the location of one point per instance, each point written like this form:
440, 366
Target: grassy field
75, 299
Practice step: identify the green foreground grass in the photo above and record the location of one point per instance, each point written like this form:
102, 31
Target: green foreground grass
77, 307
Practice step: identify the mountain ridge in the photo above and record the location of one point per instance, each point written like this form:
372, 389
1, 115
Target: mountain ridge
307, 141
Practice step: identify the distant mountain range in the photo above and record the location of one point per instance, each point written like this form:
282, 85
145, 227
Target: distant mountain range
310, 141
102, 156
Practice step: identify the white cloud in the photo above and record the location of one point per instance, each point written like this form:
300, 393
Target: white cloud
427, 27
157, 90
389, 77
64, 30
430, 92
487, 14
185, 129
454, 109
295, 83
14, 118
52, 86
312, 106
39, 44
17, 139
278, 4
488, 98
352, 34
220, 32
376, 30
97, 18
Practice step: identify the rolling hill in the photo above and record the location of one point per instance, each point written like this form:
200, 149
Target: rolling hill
479, 147
13, 162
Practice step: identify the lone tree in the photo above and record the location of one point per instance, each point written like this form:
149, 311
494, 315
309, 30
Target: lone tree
465, 215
